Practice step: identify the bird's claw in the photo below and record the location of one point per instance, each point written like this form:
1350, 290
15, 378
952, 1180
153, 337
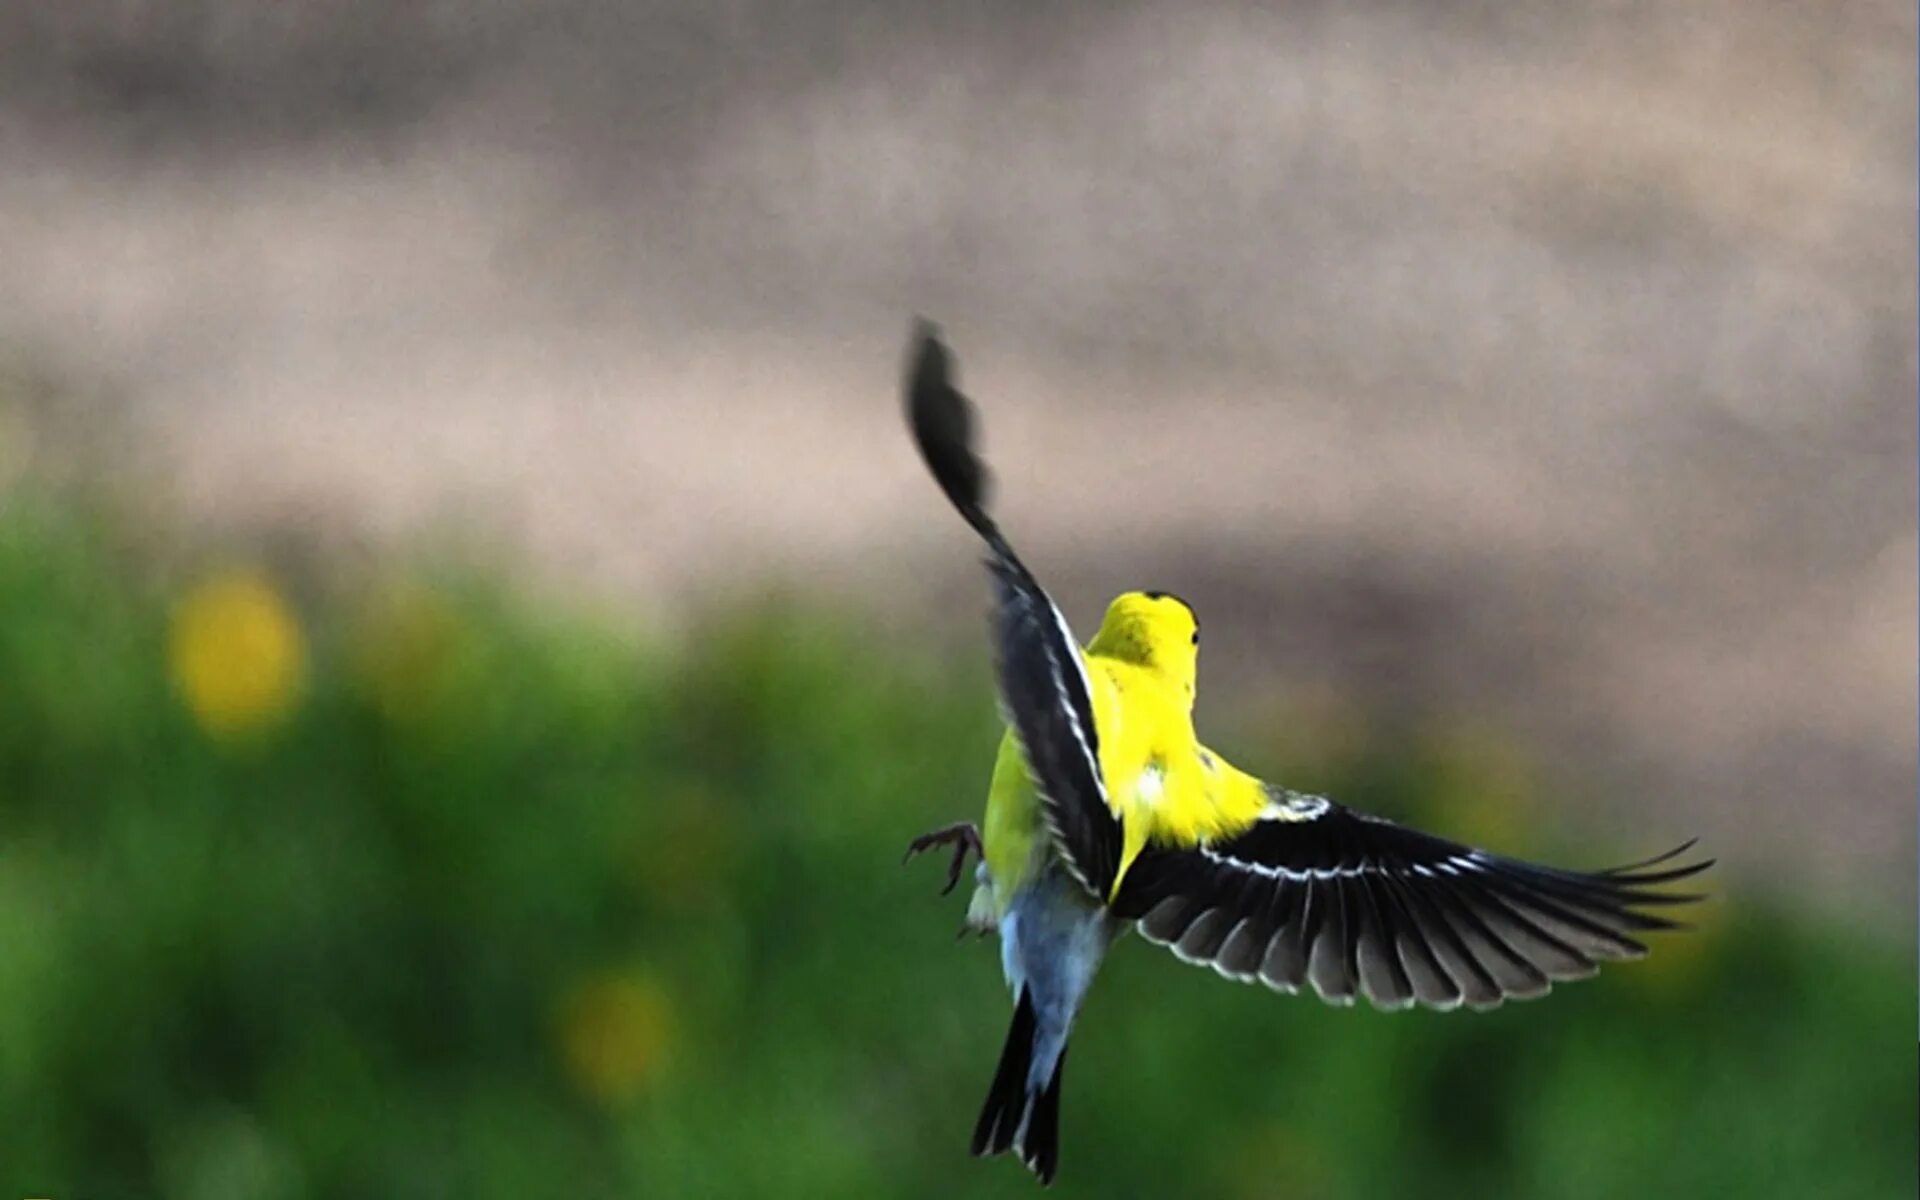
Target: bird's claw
963, 836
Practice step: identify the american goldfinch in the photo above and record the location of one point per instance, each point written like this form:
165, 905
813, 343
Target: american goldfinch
1105, 811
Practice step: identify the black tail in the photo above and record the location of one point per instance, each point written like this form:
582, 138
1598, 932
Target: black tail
1040, 1149
1013, 1118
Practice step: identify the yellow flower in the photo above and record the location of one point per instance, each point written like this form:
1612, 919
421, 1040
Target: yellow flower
614, 1033
237, 654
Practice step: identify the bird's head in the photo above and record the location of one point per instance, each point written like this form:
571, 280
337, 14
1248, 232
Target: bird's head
1157, 630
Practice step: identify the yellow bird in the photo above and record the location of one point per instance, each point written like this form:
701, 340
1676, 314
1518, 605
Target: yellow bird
1105, 811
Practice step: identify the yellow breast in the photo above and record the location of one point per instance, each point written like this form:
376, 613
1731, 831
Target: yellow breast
1166, 789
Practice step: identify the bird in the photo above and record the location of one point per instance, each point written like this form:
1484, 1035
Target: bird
1106, 812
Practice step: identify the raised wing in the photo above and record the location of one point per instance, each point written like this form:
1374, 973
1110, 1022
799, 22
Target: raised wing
1044, 688
1313, 893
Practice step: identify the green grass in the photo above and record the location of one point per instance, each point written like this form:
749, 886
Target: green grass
509, 905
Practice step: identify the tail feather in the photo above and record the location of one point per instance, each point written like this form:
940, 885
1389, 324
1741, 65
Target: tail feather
1040, 1144
1007, 1098
1015, 1118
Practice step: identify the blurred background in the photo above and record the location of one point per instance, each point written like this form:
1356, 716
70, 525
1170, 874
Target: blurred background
475, 637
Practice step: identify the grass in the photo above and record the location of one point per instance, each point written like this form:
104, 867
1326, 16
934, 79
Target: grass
469, 897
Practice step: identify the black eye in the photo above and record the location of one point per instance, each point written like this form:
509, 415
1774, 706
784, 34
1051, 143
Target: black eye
1196, 637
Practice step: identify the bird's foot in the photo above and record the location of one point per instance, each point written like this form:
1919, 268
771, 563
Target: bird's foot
962, 836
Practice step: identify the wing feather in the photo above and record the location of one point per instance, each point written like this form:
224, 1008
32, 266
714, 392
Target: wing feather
1285, 966
1433, 985
1044, 689
1317, 894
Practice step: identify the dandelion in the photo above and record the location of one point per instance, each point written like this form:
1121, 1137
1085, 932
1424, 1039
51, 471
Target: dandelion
237, 654
614, 1034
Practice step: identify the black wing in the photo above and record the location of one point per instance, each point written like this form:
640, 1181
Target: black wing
1316, 893
1043, 680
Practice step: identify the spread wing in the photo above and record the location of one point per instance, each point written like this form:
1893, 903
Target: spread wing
1312, 892
1044, 688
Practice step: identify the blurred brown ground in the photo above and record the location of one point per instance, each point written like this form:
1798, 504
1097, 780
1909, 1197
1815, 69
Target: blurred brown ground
1547, 368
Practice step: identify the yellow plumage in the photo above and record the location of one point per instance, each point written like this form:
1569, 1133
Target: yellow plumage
1166, 787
